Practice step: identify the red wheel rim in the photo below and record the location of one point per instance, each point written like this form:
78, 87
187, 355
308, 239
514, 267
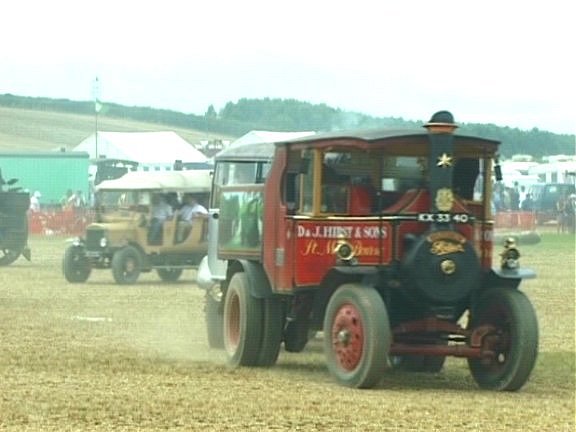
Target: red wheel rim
347, 337
233, 322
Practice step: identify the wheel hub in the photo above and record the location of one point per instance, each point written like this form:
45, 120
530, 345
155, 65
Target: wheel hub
348, 337
343, 337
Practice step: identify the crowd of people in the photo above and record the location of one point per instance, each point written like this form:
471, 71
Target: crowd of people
70, 200
512, 198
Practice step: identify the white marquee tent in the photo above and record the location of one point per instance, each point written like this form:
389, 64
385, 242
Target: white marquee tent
153, 151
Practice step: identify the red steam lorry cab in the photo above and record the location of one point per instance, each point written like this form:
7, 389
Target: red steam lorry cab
380, 239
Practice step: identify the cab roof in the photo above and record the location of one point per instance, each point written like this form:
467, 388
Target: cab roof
165, 181
366, 138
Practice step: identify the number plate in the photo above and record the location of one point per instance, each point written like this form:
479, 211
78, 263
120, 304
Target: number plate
444, 217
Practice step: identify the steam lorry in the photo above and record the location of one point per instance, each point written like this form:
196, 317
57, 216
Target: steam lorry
380, 241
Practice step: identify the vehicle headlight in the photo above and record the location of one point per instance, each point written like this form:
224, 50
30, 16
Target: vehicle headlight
344, 251
103, 242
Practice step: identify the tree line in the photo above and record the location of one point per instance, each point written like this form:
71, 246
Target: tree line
237, 118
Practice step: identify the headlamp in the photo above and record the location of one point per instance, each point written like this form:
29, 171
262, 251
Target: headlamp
344, 251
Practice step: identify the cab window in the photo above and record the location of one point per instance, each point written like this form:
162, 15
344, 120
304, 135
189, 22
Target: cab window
237, 173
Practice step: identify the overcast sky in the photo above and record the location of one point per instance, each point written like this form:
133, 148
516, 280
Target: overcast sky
510, 63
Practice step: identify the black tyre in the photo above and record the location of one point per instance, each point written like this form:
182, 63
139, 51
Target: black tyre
15, 243
8, 256
357, 336
126, 265
214, 320
75, 265
513, 338
243, 322
169, 274
271, 331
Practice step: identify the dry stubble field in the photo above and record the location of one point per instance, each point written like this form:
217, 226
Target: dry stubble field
102, 357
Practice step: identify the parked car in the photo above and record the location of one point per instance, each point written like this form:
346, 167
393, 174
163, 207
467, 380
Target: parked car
120, 240
546, 197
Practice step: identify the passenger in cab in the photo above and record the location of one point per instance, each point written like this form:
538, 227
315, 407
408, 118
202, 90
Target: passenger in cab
161, 212
190, 210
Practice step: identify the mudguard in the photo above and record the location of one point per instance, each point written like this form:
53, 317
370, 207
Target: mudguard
204, 277
259, 283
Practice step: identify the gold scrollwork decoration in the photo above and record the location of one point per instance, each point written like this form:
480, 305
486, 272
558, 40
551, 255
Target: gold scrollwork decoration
443, 247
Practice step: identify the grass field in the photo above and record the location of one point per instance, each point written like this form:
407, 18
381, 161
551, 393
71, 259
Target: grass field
22, 129
102, 357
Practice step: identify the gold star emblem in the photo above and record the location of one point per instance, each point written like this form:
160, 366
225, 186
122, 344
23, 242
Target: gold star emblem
444, 161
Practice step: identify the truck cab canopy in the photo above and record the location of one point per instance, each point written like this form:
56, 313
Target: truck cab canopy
197, 181
405, 141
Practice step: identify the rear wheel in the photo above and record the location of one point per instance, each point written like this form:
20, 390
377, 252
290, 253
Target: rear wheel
8, 256
357, 336
126, 265
75, 265
271, 331
243, 323
169, 274
512, 336
18, 237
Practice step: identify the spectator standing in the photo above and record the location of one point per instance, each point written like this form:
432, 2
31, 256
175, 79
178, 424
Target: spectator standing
35, 202
65, 200
527, 203
514, 198
560, 214
570, 213
77, 200
523, 194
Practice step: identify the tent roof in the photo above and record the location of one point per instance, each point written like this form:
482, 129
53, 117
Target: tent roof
165, 181
142, 147
258, 136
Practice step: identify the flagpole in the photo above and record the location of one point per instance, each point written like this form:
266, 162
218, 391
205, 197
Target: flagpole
97, 107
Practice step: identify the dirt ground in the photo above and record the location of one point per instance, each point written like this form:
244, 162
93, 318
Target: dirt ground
98, 356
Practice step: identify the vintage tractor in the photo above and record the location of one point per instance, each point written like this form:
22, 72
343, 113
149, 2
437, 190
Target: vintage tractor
382, 240
14, 204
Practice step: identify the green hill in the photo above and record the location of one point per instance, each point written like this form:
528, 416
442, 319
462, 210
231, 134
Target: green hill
26, 129
43, 124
